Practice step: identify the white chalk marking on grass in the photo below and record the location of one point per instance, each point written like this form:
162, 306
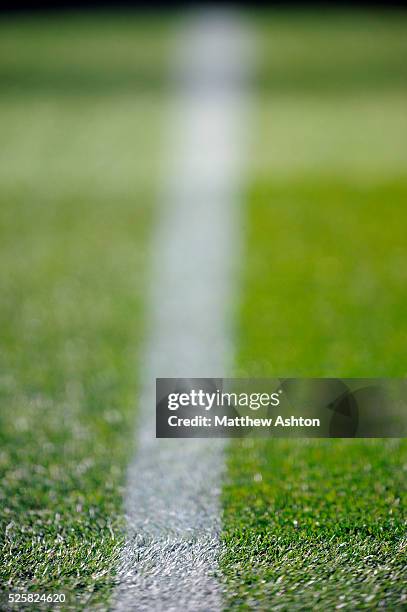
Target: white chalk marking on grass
172, 506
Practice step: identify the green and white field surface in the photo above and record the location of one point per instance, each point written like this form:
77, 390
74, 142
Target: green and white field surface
83, 110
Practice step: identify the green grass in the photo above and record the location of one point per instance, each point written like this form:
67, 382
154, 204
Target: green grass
78, 174
331, 53
325, 281
308, 524
84, 54
323, 529
319, 524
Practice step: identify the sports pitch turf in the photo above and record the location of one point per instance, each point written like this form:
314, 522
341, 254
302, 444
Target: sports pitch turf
306, 524
320, 524
78, 178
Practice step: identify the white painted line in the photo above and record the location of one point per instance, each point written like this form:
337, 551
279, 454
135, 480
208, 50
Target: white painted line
172, 505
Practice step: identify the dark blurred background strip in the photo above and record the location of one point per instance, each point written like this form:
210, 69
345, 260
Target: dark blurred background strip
24, 5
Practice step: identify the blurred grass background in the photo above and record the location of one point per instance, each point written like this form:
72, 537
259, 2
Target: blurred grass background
89, 53
81, 113
320, 524
82, 106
